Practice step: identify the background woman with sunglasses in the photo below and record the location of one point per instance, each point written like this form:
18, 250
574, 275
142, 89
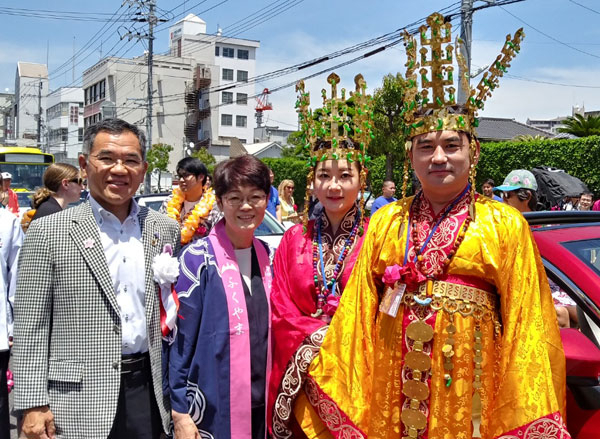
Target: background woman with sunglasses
62, 186
288, 208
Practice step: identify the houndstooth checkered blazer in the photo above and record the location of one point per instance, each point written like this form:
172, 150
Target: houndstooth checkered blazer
67, 334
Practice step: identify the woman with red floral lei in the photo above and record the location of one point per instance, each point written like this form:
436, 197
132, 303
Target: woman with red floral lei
315, 259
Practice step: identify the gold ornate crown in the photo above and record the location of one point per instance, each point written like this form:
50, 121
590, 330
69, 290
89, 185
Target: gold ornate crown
434, 108
337, 121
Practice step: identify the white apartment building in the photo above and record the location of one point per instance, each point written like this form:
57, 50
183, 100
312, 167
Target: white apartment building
117, 87
190, 83
64, 118
31, 89
6, 117
232, 61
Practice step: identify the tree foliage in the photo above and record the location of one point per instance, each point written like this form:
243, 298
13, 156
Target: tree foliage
158, 160
158, 157
295, 146
581, 126
294, 169
389, 123
205, 157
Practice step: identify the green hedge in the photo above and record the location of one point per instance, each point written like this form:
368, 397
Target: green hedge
579, 157
292, 169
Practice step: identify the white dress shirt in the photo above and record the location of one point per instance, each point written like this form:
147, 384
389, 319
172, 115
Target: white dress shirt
11, 238
124, 250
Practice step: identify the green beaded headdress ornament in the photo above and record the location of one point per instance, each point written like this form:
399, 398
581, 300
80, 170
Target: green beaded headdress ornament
339, 120
434, 108
328, 131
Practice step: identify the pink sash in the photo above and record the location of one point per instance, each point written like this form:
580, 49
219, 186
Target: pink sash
239, 340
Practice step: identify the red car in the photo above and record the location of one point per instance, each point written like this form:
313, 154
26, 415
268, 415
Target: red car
569, 243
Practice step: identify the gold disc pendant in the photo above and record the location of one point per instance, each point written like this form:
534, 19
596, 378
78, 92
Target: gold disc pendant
419, 331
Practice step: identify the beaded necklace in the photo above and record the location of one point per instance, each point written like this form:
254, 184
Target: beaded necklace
420, 249
329, 286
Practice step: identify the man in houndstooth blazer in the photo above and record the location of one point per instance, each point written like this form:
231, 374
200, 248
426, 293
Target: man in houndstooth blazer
70, 370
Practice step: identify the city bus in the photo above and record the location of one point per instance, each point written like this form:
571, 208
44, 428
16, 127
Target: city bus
26, 165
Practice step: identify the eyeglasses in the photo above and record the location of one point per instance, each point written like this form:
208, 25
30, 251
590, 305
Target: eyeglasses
183, 176
79, 181
253, 200
290, 187
108, 161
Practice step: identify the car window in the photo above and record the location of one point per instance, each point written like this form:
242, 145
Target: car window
269, 226
584, 308
587, 251
154, 205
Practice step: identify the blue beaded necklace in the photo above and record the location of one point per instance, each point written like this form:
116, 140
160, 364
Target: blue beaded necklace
329, 286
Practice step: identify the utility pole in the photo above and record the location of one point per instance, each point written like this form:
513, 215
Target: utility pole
466, 25
150, 18
39, 121
151, 22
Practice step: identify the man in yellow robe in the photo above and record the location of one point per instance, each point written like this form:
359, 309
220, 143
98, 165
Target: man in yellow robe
446, 328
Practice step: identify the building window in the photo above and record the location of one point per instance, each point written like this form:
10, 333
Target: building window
241, 99
240, 121
228, 52
74, 115
242, 76
228, 74
226, 120
216, 50
242, 54
64, 134
80, 135
95, 92
227, 97
242, 140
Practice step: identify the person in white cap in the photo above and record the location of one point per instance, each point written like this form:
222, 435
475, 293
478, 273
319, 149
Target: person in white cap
519, 190
8, 198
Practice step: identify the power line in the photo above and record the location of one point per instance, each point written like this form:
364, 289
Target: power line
96, 36
539, 81
64, 16
57, 12
549, 36
585, 7
240, 26
394, 36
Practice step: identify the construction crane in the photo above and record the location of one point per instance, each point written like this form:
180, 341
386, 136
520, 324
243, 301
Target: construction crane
262, 104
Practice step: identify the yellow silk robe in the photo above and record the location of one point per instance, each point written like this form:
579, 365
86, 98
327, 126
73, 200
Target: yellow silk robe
355, 383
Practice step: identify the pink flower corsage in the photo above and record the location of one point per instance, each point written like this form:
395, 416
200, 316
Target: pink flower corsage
407, 274
331, 305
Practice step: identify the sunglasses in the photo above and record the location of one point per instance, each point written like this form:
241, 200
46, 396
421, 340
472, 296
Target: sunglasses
79, 180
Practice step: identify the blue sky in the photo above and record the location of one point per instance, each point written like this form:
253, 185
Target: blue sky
312, 28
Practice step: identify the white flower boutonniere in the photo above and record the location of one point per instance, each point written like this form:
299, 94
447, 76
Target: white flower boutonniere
166, 272
165, 267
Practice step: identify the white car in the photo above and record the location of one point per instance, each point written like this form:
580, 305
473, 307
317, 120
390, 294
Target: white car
271, 231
